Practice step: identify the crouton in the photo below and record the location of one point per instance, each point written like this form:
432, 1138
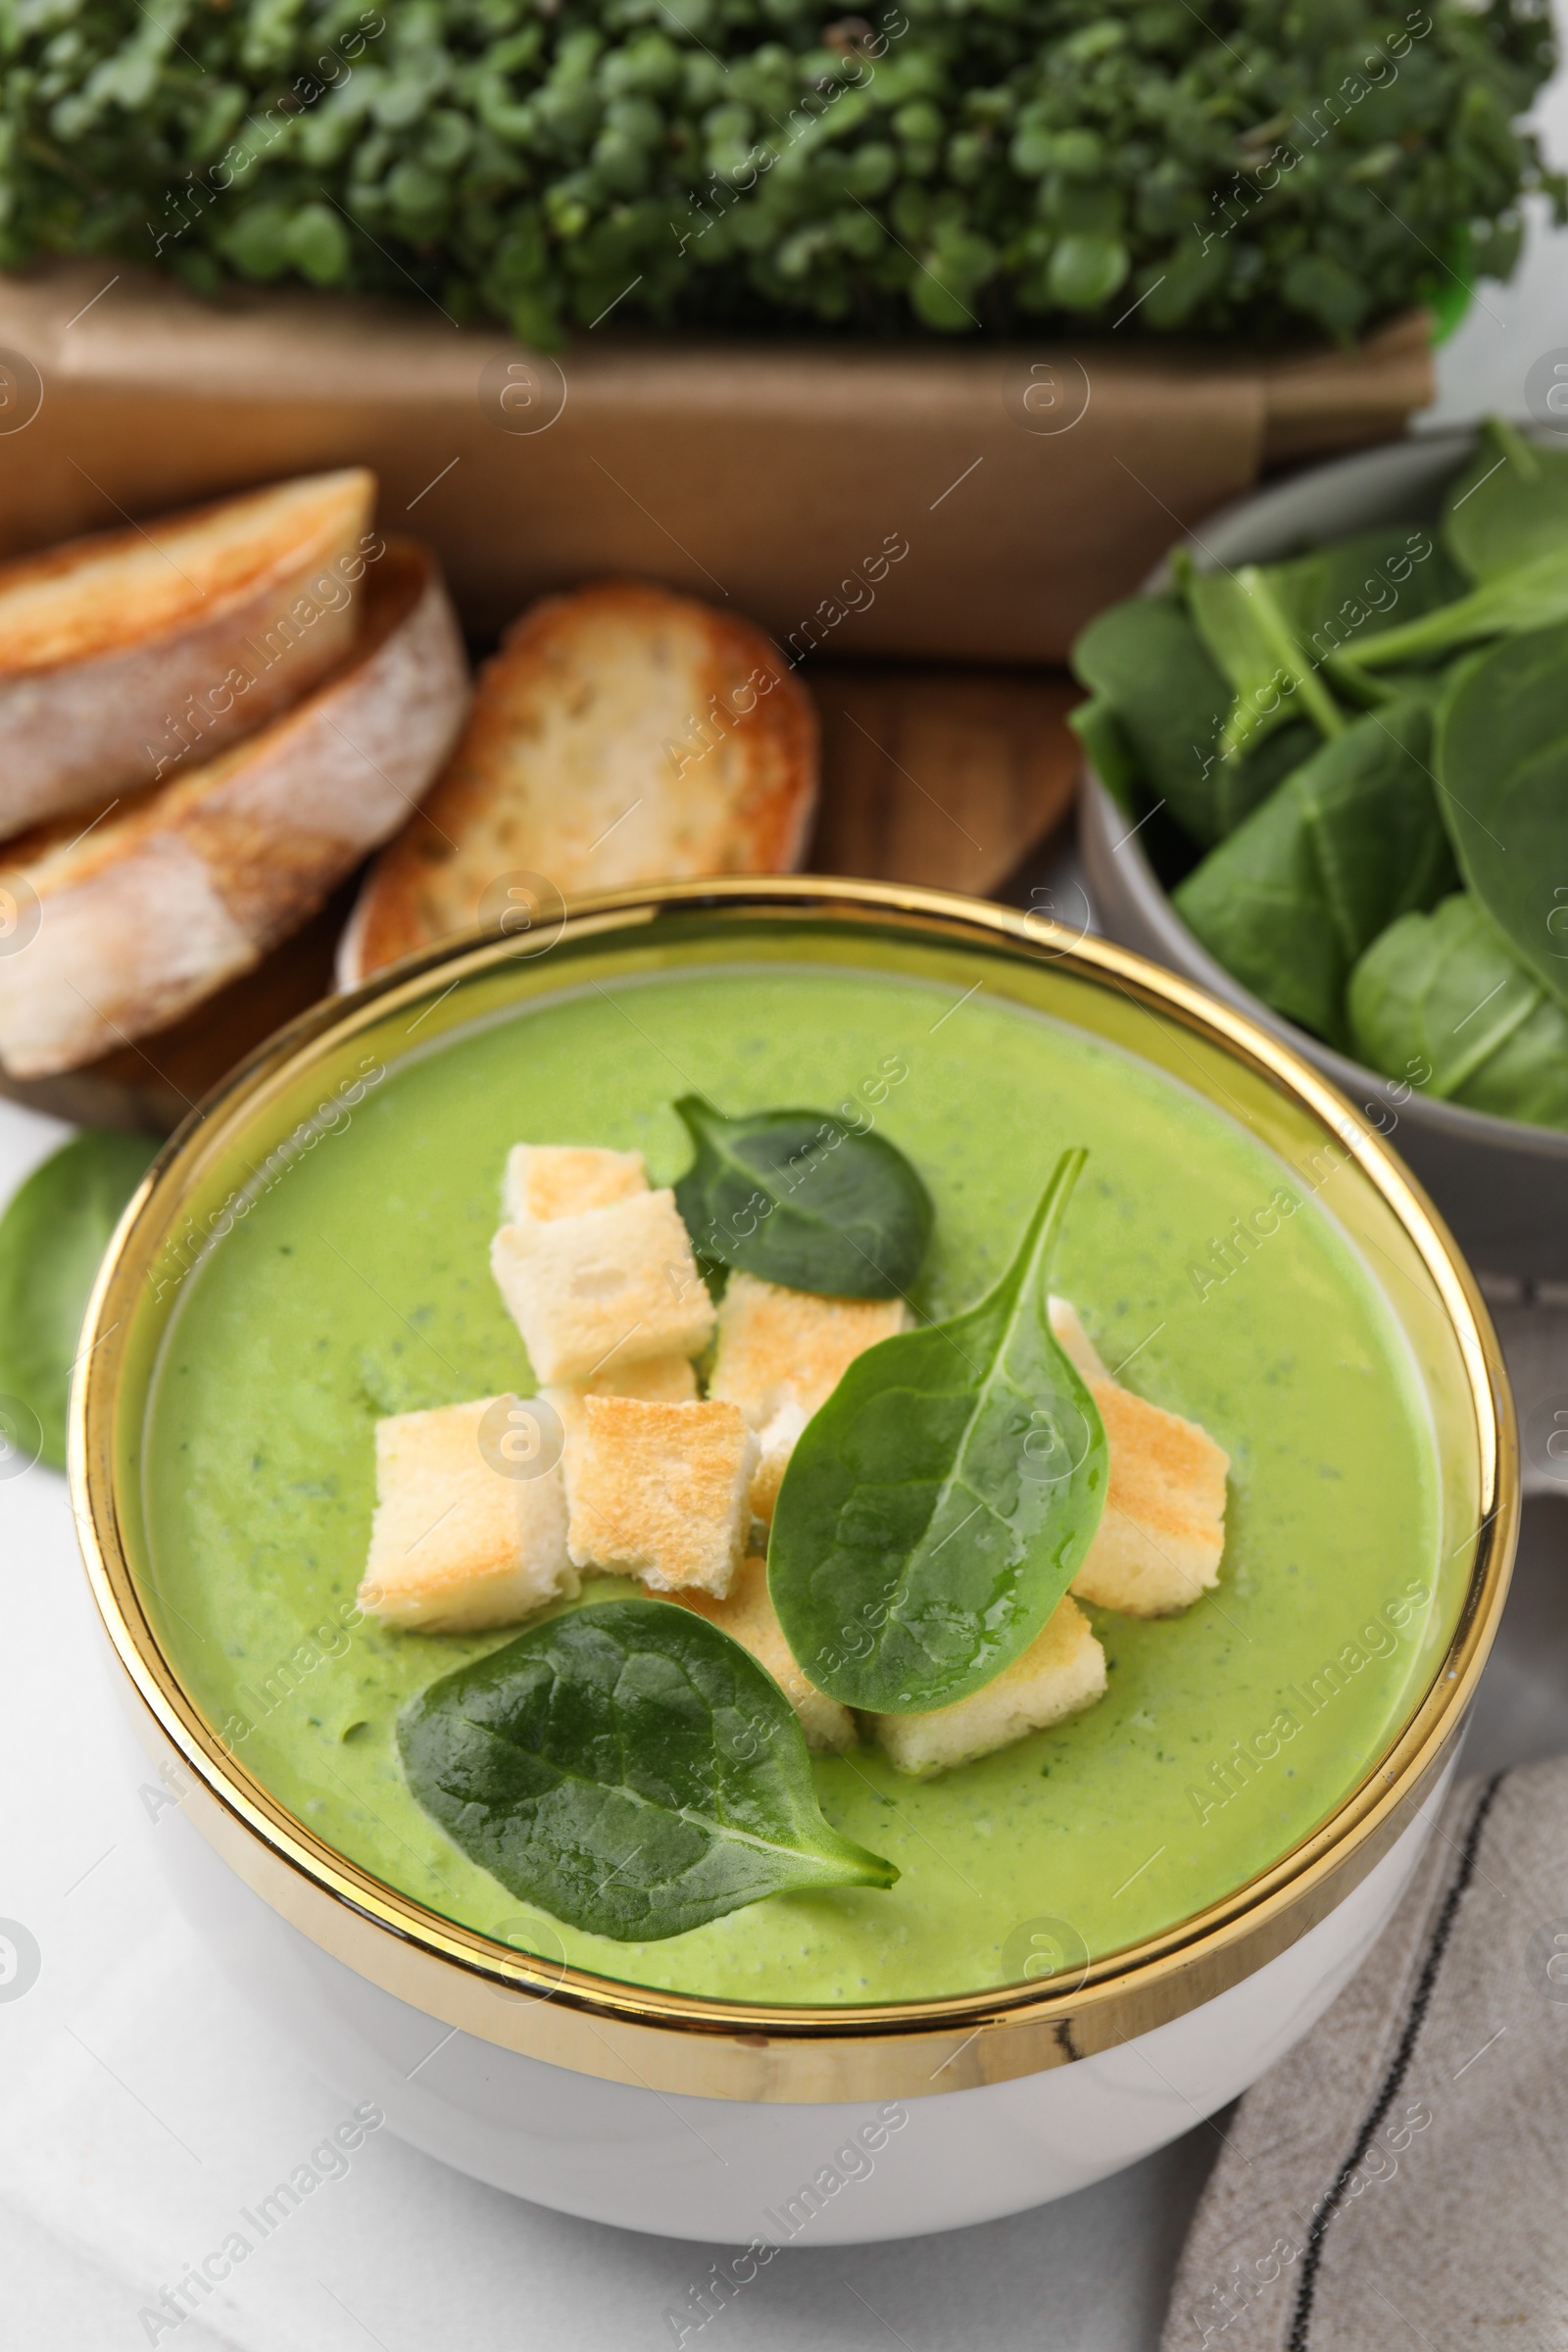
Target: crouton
1160, 1536
611, 1287
1061, 1673
622, 734
780, 1346
656, 1380
748, 1617
1074, 1341
775, 1444
457, 1545
1159, 1540
547, 1181
659, 1490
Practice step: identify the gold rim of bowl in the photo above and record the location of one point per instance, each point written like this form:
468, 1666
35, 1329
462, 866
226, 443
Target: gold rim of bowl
667, 2042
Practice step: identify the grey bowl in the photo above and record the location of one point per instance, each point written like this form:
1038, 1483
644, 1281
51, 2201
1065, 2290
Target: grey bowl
1501, 1186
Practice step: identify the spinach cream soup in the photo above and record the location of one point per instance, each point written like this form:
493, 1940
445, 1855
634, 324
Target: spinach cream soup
359, 1286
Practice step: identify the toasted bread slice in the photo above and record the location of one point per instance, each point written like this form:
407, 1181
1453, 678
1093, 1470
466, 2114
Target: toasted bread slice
659, 1490
747, 1615
134, 655
1159, 1540
457, 1544
149, 908
1061, 1673
622, 734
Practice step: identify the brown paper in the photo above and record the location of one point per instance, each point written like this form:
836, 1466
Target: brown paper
966, 502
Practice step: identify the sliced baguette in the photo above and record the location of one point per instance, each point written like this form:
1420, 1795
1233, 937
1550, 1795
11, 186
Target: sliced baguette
126, 657
176, 891
622, 734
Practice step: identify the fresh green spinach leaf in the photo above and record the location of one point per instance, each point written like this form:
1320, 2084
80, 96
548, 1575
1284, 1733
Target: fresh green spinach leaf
1530, 596
1441, 1003
630, 1770
1502, 765
1278, 630
1509, 505
1161, 702
805, 1198
937, 1507
1108, 749
52, 1241
1349, 843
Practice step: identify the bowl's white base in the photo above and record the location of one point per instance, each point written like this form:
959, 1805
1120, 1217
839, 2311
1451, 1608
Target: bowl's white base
733, 2172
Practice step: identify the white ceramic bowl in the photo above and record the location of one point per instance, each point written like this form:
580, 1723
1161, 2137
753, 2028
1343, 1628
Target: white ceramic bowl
736, 2122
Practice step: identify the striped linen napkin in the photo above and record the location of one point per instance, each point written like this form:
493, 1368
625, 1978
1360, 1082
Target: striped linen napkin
1402, 2179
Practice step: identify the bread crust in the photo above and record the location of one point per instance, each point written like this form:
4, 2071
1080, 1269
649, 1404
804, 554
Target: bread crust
181, 888
622, 734
119, 651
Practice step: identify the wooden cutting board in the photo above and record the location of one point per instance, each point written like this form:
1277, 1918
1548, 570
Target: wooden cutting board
949, 778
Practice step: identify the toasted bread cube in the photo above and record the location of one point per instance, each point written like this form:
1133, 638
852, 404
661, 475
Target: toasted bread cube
1074, 1341
748, 1617
547, 1181
1061, 1673
611, 1287
660, 1380
455, 1545
1158, 1547
659, 1490
1159, 1540
775, 1444
780, 1346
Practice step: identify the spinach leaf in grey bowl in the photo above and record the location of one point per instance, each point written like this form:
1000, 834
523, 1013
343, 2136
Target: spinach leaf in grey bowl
1305, 780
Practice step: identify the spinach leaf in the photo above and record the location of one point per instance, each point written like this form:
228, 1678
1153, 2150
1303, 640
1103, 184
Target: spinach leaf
52, 1239
1157, 685
1250, 622
1108, 749
1298, 892
937, 1507
1509, 505
805, 1198
630, 1768
1441, 1001
1277, 628
1528, 597
1502, 764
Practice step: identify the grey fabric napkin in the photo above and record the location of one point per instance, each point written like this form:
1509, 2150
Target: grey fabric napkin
1402, 2178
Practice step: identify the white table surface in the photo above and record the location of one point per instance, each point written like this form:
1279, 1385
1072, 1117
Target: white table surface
144, 2104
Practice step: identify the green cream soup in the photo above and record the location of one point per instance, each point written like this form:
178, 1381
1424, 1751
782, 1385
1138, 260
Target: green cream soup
359, 1286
